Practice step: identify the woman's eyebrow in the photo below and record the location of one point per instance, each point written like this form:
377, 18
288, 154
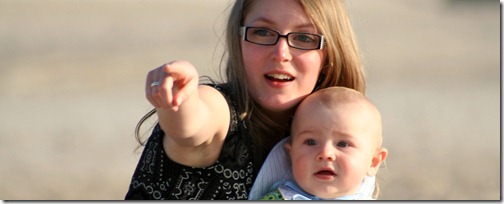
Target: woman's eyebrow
306, 25
271, 22
263, 20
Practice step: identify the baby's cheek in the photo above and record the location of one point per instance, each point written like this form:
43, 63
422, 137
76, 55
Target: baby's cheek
300, 164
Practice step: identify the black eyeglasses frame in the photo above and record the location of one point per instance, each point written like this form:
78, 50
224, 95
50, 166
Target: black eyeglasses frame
243, 33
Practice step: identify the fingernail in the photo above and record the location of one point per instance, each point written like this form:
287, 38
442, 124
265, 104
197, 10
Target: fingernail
175, 108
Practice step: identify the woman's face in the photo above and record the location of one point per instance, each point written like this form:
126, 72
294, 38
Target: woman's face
279, 76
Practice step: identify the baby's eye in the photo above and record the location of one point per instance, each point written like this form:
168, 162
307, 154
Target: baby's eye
342, 144
310, 142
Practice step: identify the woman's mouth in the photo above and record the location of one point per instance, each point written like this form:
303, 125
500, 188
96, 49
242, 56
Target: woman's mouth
279, 77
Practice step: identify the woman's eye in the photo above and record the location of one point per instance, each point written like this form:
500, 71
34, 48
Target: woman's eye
263, 32
310, 142
304, 38
342, 144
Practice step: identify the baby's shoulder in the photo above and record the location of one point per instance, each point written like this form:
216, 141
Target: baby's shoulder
274, 195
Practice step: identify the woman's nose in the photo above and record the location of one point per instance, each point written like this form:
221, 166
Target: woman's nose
282, 51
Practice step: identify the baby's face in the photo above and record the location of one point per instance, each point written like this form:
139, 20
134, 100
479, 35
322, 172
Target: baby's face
332, 148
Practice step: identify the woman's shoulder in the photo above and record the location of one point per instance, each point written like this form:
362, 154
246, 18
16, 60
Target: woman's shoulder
227, 93
223, 88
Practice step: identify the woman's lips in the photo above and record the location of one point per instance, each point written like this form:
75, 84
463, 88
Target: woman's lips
279, 77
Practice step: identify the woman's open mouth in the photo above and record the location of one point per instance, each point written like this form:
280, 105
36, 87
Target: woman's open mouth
279, 77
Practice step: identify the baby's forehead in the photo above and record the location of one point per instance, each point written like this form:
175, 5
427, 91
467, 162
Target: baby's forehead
335, 102
337, 96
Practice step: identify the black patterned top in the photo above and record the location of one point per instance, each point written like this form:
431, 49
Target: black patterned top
229, 178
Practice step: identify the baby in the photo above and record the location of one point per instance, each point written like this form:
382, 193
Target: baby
335, 148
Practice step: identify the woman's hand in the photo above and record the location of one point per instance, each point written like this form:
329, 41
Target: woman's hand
194, 118
170, 85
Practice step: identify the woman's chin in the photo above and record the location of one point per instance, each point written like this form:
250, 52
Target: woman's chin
279, 108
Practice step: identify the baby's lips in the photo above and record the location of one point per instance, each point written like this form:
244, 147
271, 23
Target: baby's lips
326, 172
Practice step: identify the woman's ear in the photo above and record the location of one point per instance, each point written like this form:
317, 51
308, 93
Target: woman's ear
376, 161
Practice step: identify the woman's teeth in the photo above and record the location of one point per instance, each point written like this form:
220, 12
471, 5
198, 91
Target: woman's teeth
279, 77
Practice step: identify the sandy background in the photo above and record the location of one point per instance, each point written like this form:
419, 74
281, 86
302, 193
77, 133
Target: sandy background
72, 74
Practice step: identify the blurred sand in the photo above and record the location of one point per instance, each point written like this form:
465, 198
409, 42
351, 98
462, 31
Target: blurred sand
72, 74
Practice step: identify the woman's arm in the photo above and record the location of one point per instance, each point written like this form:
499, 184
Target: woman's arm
194, 118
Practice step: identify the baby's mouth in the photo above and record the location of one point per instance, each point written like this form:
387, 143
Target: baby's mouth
326, 173
279, 77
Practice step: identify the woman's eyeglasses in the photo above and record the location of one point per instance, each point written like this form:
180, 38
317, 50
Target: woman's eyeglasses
299, 40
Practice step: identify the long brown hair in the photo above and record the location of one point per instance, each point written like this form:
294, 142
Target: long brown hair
343, 66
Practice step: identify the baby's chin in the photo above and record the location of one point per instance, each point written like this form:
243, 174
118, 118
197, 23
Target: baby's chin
329, 192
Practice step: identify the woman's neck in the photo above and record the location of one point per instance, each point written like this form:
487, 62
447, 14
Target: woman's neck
280, 117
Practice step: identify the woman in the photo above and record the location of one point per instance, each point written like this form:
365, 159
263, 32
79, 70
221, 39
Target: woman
212, 139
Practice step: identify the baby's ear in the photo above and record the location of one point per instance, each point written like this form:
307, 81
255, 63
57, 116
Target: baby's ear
377, 160
288, 146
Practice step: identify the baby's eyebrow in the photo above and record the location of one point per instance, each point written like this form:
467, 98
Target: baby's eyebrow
343, 134
305, 131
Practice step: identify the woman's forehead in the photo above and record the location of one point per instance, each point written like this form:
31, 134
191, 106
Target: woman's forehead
278, 12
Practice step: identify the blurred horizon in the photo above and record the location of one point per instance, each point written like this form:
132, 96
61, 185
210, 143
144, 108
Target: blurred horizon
72, 80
